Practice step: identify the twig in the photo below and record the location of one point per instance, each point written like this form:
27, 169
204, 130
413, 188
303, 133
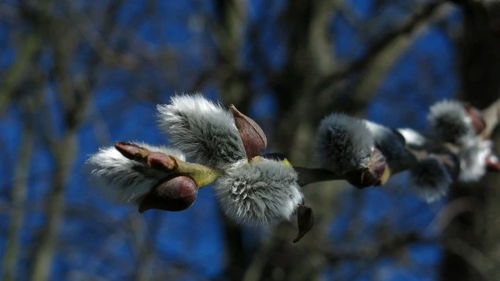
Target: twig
405, 29
202, 175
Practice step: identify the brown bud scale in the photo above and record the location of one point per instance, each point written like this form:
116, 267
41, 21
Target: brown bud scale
175, 194
253, 137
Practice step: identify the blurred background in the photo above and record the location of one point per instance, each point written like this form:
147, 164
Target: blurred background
79, 75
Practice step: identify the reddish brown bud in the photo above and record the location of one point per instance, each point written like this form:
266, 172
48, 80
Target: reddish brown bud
492, 163
254, 139
376, 173
175, 194
476, 118
131, 150
156, 160
160, 160
305, 220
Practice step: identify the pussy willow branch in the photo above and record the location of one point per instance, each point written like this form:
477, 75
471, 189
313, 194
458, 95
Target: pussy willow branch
205, 175
442, 151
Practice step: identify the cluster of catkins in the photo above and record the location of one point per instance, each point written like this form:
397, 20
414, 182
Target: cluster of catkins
252, 188
257, 188
454, 149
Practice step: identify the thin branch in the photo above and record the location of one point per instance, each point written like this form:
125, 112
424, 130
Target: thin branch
406, 30
18, 201
28, 47
383, 247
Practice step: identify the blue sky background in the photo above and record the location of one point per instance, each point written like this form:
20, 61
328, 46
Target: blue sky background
97, 237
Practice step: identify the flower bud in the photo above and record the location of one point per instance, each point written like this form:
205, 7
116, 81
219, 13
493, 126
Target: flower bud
493, 163
344, 144
473, 160
476, 118
153, 159
175, 194
252, 135
450, 121
121, 178
261, 191
430, 179
376, 173
305, 221
204, 131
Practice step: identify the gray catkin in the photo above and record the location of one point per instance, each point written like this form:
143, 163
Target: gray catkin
449, 122
343, 143
259, 192
429, 179
122, 179
204, 131
473, 160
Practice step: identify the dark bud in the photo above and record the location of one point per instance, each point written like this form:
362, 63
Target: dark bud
476, 118
254, 139
175, 194
493, 163
377, 172
305, 219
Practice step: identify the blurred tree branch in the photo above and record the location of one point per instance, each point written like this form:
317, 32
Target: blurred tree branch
390, 245
145, 237
18, 197
28, 47
471, 238
75, 97
229, 29
373, 66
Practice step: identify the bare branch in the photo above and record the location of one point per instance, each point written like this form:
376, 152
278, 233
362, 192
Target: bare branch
386, 246
18, 201
390, 45
28, 47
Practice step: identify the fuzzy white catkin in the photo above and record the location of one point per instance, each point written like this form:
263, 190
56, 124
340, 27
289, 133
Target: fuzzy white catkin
343, 143
413, 138
122, 179
429, 179
449, 122
473, 160
204, 131
259, 192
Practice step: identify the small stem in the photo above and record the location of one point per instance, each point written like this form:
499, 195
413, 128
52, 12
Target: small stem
312, 175
202, 175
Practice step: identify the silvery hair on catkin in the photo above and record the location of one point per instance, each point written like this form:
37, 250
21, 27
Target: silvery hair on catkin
449, 122
413, 139
429, 179
122, 179
259, 192
343, 143
473, 160
204, 131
